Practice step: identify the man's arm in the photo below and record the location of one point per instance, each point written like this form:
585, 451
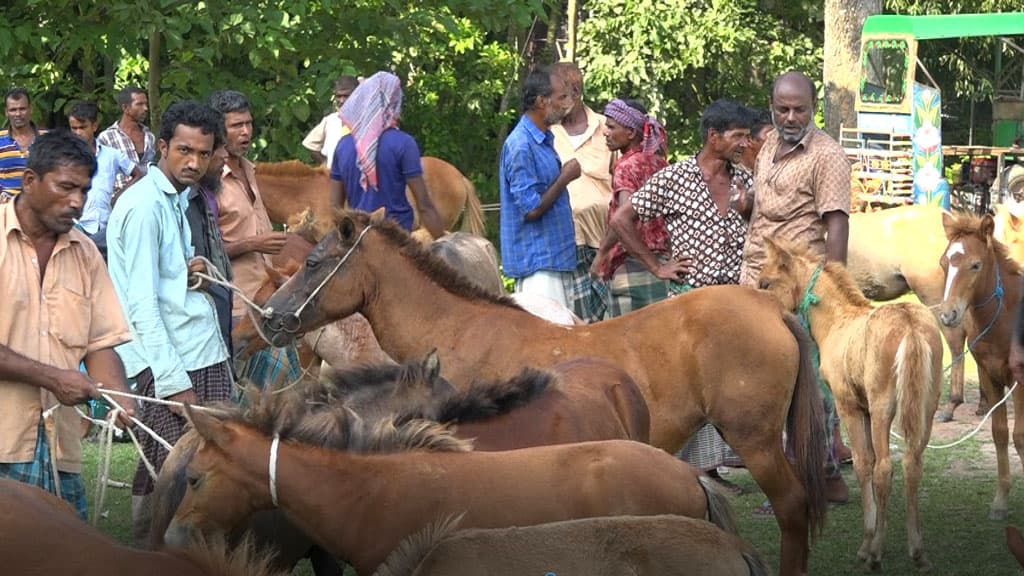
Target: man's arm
105, 367
624, 224
314, 141
570, 171
837, 223
429, 218
266, 243
69, 386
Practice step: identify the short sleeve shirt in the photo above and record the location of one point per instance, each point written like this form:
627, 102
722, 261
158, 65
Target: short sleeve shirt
793, 193
398, 160
239, 217
714, 242
631, 172
590, 193
110, 163
72, 312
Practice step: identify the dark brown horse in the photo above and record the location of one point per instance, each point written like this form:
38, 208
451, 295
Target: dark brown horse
983, 283
727, 354
417, 472
41, 535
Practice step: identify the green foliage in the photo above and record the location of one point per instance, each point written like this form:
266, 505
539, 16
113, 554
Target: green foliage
678, 57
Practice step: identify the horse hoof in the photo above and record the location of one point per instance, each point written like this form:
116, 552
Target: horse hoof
997, 514
873, 566
922, 563
944, 416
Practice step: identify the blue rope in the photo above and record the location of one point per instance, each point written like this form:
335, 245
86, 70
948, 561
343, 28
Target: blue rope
997, 293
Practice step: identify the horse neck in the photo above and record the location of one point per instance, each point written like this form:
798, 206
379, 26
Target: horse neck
834, 308
984, 306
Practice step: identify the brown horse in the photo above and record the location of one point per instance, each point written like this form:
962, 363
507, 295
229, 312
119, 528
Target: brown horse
612, 546
290, 187
884, 366
726, 354
895, 251
983, 283
41, 535
417, 472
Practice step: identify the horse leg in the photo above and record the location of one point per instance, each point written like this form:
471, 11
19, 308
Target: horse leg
955, 338
858, 427
913, 468
881, 423
1001, 439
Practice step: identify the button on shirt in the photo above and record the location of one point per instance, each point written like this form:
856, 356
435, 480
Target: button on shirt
110, 163
149, 244
529, 165
73, 311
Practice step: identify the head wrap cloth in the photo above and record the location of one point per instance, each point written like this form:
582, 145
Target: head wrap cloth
653, 134
374, 106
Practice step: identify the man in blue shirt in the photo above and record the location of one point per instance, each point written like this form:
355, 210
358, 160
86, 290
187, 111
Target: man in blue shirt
538, 246
177, 352
110, 162
376, 161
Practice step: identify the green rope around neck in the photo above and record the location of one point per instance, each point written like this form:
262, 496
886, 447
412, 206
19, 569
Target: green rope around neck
809, 299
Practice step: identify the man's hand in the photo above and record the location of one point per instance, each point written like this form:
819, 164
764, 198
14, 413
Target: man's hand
197, 265
675, 270
126, 409
1017, 359
185, 397
72, 387
269, 243
571, 170
600, 261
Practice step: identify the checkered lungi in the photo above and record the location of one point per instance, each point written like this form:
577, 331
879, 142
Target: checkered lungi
632, 287
587, 297
273, 367
706, 450
211, 384
39, 473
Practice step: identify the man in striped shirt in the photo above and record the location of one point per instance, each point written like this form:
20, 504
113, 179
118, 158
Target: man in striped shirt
130, 135
15, 138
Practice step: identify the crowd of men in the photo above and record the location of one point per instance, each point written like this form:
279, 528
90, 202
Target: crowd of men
102, 235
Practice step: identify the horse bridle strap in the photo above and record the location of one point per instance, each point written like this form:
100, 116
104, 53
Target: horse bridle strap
273, 468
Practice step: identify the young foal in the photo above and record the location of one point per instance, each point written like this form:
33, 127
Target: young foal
884, 366
417, 472
610, 546
983, 283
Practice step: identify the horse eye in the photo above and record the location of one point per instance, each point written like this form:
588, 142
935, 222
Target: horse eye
764, 284
193, 480
976, 266
311, 264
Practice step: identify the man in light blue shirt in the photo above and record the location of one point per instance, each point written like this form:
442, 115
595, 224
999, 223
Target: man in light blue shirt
176, 352
110, 162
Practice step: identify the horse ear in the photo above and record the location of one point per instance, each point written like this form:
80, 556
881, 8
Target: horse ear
275, 276
347, 228
208, 426
987, 226
432, 365
377, 216
1014, 221
949, 225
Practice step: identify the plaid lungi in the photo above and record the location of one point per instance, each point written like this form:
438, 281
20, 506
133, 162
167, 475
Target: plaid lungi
39, 473
211, 384
632, 287
587, 297
706, 450
273, 367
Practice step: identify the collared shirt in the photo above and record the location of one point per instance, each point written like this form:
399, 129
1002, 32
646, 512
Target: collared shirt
680, 195
793, 193
109, 164
12, 163
149, 244
631, 172
398, 160
590, 194
120, 140
241, 217
529, 165
72, 312
325, 136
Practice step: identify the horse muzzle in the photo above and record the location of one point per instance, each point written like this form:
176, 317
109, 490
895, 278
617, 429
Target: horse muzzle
177, 536
952, 317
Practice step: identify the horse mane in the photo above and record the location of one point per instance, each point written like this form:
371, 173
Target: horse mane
432, 266
333, 425
484, 400
289, 169
411, 551
215, 556
969, 224
836, 271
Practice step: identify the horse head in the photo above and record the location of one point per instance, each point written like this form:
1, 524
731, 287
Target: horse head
970, 264
786, 272
331, 284
410, 390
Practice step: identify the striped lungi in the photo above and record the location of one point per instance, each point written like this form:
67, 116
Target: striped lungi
211, 384
587, 297
706, 450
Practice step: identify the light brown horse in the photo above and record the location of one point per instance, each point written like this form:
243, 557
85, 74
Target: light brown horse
884, 366
41, 535
290, 187
611, 546
983, 283
417, 472
726, 354
895, 251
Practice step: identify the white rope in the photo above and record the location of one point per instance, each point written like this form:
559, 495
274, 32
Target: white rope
327, 278
976, 428
272, 468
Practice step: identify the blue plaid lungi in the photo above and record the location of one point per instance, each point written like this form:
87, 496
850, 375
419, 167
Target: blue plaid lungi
587, 297
39, 473
273, 367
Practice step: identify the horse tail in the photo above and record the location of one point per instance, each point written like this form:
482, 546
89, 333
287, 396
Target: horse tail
805, 429
411, 551
913, 377
473, 215
719, 511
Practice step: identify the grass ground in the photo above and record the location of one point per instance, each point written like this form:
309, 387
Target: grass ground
956, 490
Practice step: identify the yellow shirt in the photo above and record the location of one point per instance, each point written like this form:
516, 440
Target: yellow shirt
72, 312
591, 193
242, 217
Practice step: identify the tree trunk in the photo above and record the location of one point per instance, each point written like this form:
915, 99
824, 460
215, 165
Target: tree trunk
573, 14
843, 22
154, 80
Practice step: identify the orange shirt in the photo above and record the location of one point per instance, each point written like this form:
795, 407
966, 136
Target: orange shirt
72, 312
590, 194
239, 218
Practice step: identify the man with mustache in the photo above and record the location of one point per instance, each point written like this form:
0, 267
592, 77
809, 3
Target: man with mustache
59, 310
15, 140
802, 185
538, 247
177, 352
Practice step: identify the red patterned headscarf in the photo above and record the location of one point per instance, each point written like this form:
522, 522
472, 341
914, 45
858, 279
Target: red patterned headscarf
372, 108
654, 137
